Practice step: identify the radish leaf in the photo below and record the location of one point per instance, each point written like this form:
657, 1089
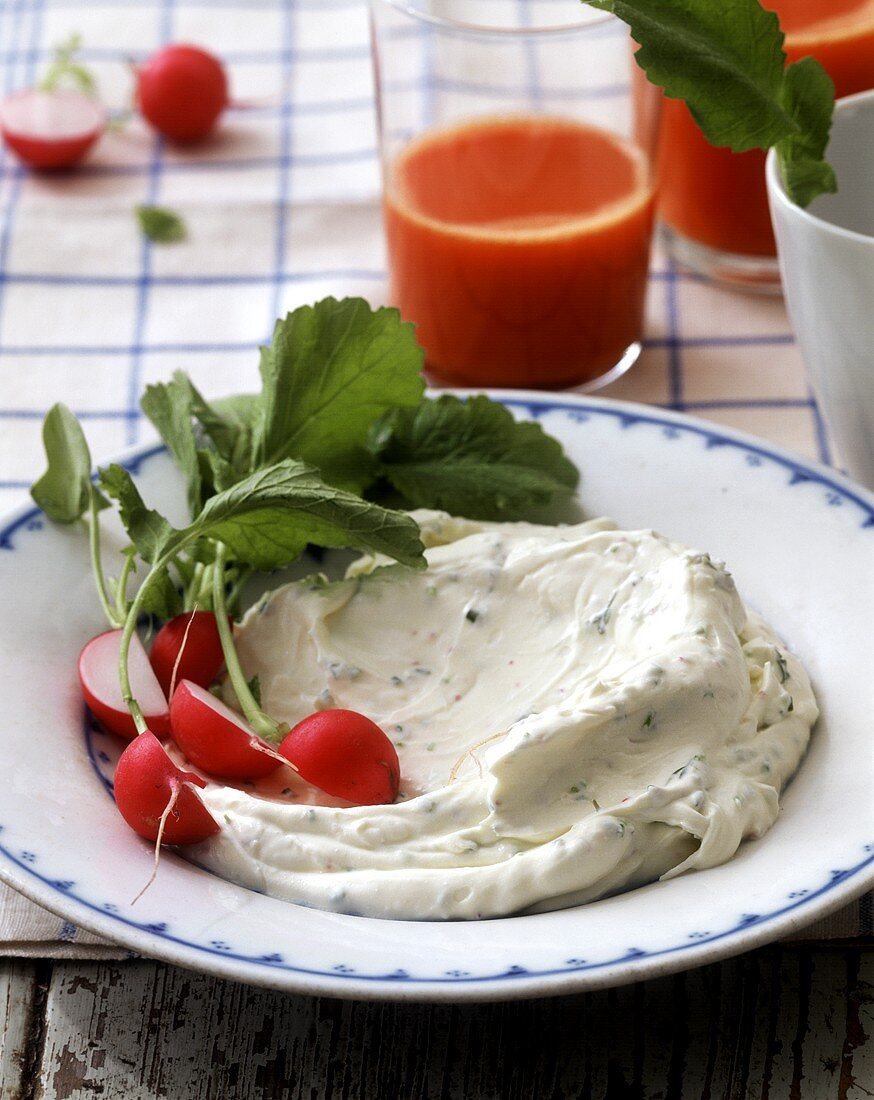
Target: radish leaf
149, 531
64, 490
268, 518
330, 371
726, 60
161, 225
168, 406
808, 92
470, 458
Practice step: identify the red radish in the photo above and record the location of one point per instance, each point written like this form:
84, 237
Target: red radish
345, 754
181, 91
155, 797
98, 674
51, 129
216, 738
201, 654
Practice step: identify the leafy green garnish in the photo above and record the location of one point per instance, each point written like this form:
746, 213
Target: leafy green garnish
725, 58
161, 225
341, 411
169, 407
66, 70
471, 458
330, 371
267, 519
64, 490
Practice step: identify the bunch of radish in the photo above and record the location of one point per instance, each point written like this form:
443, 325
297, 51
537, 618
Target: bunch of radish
181, 91
341, 752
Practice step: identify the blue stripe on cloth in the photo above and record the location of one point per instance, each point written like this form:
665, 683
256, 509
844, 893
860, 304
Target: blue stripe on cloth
672, 342
38, 279
36, 13
283, 200
142, 305
233, 164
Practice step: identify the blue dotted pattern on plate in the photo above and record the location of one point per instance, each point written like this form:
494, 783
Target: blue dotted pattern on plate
836, 495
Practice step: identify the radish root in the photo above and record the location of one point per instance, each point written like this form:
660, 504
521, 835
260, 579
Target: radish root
168, 809
175, 671
456, 767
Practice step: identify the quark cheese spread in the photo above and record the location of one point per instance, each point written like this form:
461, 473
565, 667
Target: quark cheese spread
577, 710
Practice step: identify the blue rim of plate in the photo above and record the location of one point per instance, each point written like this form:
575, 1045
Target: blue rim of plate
674, 426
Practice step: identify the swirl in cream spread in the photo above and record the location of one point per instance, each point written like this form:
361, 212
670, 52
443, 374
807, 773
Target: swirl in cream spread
577, 710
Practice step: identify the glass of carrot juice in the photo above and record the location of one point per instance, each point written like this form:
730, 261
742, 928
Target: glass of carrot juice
518, 161
713, 201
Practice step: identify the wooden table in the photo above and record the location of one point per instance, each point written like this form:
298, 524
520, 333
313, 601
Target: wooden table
792, 1022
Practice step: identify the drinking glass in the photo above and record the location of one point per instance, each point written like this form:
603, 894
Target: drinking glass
712, 201
518, 146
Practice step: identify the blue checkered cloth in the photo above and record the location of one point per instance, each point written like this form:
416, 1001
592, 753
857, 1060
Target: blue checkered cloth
282, 209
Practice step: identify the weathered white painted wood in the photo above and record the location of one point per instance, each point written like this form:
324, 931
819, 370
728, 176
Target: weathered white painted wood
767, 1025
857, 1069
826, 1026
18, 993
764, 973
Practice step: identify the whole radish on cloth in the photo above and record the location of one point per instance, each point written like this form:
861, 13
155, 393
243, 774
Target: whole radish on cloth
181, 91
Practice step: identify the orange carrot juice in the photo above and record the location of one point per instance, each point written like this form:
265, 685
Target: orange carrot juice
717, 197
519, 247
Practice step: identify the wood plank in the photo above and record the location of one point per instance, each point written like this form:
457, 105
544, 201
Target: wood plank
857, 1060
22, 988
783, 1022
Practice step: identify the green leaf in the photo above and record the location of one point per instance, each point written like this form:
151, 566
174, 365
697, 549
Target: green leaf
162, 598
161, 225
230, 425
725, 58
268, 518
808, 93
330, 371
64, 490
65, 70
471, 458
168, 406
216, 474
149, 531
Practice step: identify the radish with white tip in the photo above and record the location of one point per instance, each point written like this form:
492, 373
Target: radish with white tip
98, 675
157, 799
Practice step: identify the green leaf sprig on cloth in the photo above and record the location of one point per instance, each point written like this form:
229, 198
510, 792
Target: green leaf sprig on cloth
725, 58
161, 225
341, 417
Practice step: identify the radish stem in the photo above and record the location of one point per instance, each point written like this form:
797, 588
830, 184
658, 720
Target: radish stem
115, 618
121, 588
130, 625
263, 725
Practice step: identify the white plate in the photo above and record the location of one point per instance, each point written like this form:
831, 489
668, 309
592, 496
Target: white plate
800, 542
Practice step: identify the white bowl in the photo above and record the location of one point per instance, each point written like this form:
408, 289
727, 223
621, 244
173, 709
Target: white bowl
800, 542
